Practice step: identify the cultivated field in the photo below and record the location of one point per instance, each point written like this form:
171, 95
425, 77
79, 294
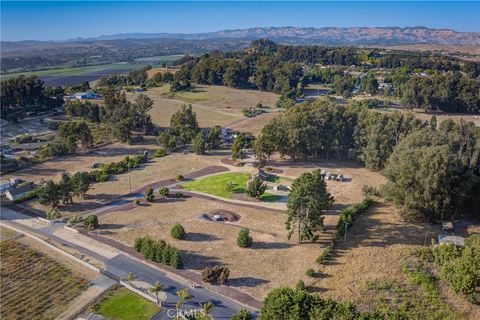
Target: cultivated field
33, 285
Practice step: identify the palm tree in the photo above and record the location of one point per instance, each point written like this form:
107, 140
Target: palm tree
183, 295
207, 308
157, 287
131, 276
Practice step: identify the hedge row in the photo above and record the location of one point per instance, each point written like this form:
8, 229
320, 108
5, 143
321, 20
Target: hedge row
158, 251
347, 215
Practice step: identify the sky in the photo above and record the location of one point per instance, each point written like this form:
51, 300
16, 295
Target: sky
62, 20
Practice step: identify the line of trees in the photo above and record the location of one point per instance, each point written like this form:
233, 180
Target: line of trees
27, 94
433, 172
158, 251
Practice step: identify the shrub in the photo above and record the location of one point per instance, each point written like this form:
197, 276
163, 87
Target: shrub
369, 191
322, 258
300, 285
28, 196
149, 196
230, 186
446, 253
310, 272
159, 153
137, 202
163, 191
180, 177
242, 315
216, 274
75, 219
244, 239
178, 231
91, 222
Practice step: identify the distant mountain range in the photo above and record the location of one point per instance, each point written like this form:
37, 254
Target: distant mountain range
322, 36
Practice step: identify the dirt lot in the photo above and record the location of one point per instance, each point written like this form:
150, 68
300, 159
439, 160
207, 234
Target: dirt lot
347, 192
373, 252
264, 266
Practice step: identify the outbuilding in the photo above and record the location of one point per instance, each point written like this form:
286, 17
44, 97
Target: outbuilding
16, 193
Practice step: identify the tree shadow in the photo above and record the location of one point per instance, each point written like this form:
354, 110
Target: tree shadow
199, 262
198, 236
249, 282
270, 245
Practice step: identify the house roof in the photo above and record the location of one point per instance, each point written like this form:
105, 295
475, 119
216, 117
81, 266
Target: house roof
21, 190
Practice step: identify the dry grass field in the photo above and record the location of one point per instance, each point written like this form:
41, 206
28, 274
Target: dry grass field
373, 253
52, 169
33, 285
272, 260
213, 105
156, 169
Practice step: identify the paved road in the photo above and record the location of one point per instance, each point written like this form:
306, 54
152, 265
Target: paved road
119, 265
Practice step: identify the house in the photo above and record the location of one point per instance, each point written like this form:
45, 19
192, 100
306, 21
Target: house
5, 149
86, 95
16, 193
4, 186
15, 181
263, 175
339, 178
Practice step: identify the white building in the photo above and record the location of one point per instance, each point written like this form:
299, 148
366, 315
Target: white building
16, 193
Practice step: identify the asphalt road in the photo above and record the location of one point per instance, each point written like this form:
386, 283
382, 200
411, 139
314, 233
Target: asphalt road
120, 265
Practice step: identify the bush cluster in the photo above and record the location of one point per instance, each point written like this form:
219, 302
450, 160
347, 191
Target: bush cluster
158, 251
349, 214
215, 274
91, 222
159, 153
178, 231
461, 267
244, 240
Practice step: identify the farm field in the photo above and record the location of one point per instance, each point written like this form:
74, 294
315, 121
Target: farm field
371, 258
50, 284
122, 304
73, 76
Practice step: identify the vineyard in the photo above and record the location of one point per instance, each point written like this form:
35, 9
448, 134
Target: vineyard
34, 286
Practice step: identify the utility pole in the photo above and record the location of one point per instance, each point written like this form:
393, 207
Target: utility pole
345, 235
129, 180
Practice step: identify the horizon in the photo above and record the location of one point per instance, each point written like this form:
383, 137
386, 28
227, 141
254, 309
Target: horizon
70, 20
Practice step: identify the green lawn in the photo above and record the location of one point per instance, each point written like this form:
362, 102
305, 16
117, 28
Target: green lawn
216, 185
77, 71
122, 304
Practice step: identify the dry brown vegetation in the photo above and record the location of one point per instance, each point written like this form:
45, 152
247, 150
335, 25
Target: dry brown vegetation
157, 169
256, 270
373, 252
34, 286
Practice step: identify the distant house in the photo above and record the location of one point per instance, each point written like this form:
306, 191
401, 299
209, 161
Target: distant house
86, 95
5, 149
4, 186
16, 193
